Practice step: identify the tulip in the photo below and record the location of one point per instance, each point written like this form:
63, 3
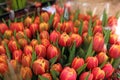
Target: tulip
77, 23
102, 57
75, 30
68, 74
76, 38
114, 51
28, 50
112, 21
44, 35
97, 28
85, 74
26, 73
59, 10
57, 67
22, 42
26, 60
92, 62
108, 69
43, 27
45, 16
54, 36
8, 34
52, 51
98, 42
37, 20
15, 65
20, 34
64, 40
2, 50
28, 21
40, 66
3, 58
34, 42
98, 74
33, 28
12, 45
113, 38
47, 75
85, 26
17, 26
56, 20
77, 63
3, 28
4, 41
45, 42
40, 50
17, 55
3, 68
28, 33
98, 22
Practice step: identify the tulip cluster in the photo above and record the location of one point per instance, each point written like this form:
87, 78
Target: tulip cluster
50, 47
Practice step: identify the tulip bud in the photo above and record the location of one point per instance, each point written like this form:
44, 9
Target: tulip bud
47, 75
52, 51
56, 20
112, 21
75, 30
17, 55
98, 74
3, 58
77, 63
97, 28
33, 28
54, 36
15, 65
102, 57
34, 42
43, 27
68, 74
57, 67
85, 74
40, 51
4, 41
28, 33
114, 51
28, 50
113, 38
37, 20
40, 66
45, 42
108, 69
64, 40
8, 34
20, 34
2, 50
3, 68
98, 42
98, 22
44, 35
92, 62
22, 42
77, 38
85, 27
3, 28
26, 60
28, 21
12, 45
45, 16
26, 73
17, 26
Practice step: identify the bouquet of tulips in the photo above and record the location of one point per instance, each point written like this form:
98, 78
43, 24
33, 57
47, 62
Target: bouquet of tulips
55, 47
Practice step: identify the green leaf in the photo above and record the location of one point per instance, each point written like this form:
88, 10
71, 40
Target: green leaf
89, 51
41, 19
116, 63
103, 64
81, 53
53, 60
42, 77
72, 53
54, 74
80, 28
62, 19
4, 21
33, 17
80, 69
38, 38
117, 14
76, 15
90, 28
118, 75
104, 18
107, 36
63, 49
51, 19
87, 77
9, 22
15, 20
34, 56
7, 51
48, 3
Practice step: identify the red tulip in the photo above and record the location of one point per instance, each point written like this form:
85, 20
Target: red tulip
77, 63
54, 36
28, 21
114, 51
17, 55
34, 42
26, 73
47, 75
56, 20
98, 74
3, 58
43, 27
57, 67
3, 68
112, 21
44, 35
45, 16
98, 42
64, 40
59, 10
8, 34
17, 26
12, 45
40, 66
28, 50
108, 69
85, 27
45, 42
3, 28
68, 74
33, 28
77, 38
52, 51
97, 28
14, 65
2, 50
113, 38
102, 57
37, 20
26, 60
4, 41
98, 22
92, 62
22, 42
85, 74
40, 51
20, 34
75, 30
28, 33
